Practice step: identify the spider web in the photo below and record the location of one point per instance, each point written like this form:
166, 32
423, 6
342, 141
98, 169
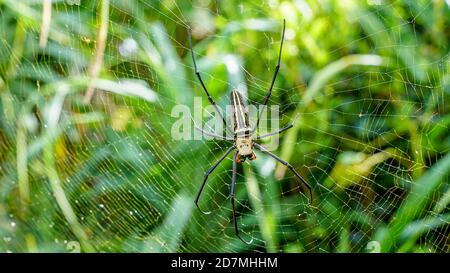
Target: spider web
107, 174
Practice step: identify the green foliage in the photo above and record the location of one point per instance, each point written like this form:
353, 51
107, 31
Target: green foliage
370, 80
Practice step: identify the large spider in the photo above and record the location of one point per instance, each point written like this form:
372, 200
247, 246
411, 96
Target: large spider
243, 141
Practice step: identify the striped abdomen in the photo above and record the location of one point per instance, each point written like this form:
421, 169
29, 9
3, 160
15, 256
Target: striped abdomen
240, 114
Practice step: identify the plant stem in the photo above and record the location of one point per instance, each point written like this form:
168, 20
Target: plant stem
266, 219
45, 25
97, 61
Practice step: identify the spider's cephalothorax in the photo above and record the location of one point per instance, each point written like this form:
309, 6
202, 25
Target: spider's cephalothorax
242, 130
243, 140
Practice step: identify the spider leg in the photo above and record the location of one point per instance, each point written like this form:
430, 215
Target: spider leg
281, 130
262, 149
232, 192
266, 98
206, 178
210, 99
211, 134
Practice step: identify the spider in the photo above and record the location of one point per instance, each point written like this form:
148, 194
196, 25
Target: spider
243, 140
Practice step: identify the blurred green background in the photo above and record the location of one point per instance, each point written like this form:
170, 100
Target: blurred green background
87, 161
